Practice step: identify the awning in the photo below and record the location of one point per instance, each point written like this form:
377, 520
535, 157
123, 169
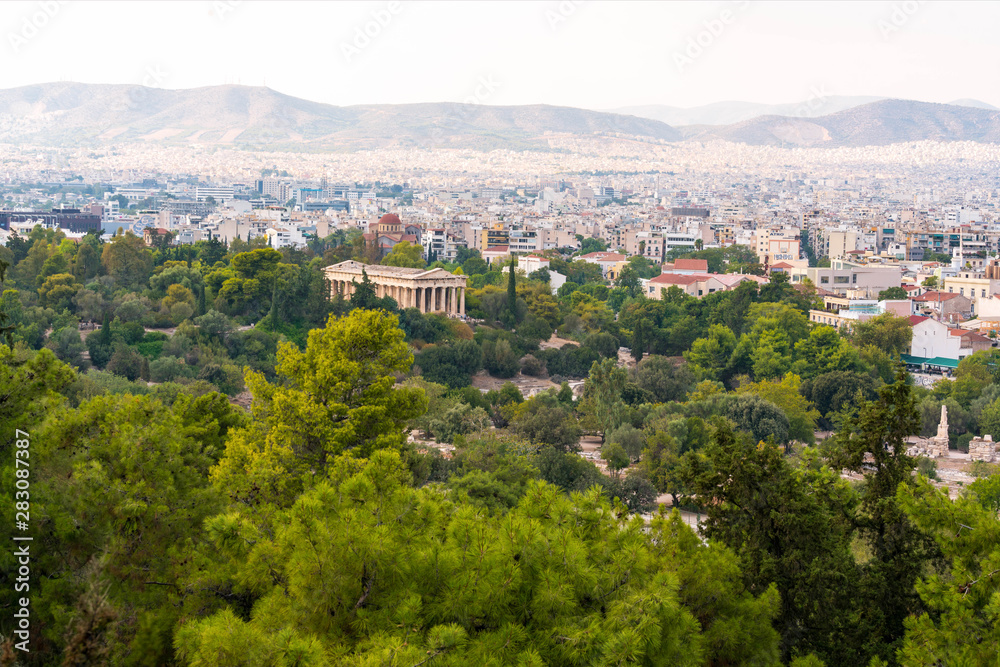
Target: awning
935, 362
943, 362
913, 361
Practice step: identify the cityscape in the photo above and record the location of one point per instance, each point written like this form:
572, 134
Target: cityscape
529, 361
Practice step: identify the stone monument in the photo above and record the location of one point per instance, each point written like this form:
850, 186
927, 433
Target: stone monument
938, 445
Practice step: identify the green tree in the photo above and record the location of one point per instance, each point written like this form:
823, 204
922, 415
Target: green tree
544, 420
126, 259
786, 394
510, 318
523, 587
892, 293
959, 625
87, 263
629, 280
67, 345
339, 396
787, 528
405, 254
709, 356
500, 359
58, 290
873, 442
616, 458
665, 379
602, 395
887, 332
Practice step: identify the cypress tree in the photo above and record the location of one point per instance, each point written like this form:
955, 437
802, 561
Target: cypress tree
512, 292
273, 315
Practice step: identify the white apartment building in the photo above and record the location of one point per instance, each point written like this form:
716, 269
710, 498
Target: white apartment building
284, 237
219, 194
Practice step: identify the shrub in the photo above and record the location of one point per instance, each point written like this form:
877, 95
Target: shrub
128, 363
533, 366
166, 369
927, 467
500, 359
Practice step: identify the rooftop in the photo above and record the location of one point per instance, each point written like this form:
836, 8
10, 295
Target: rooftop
936, 296
700, 265
377, 270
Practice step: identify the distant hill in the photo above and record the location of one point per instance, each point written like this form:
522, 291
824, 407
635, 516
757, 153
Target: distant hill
72, 113
727, 113
75, 114
975, 104
878, 123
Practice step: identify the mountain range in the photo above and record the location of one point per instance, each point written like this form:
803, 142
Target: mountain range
728, 113
79, 114
73, 113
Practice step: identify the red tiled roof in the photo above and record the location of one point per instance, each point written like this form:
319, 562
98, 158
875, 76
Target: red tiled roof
691, 265
497, 248
917, 319
604, 256
782, 265
674, 279
935, 296
681, 279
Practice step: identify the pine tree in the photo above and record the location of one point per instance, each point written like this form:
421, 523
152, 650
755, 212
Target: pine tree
873, 442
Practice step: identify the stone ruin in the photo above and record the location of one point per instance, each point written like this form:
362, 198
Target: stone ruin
980, 449
937, 446
983, 449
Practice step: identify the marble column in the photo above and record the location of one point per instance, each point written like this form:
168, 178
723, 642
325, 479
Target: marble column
461, 306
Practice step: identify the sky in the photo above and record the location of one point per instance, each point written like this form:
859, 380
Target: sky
577, 53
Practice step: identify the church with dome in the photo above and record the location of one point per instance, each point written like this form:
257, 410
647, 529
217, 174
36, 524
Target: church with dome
390, 230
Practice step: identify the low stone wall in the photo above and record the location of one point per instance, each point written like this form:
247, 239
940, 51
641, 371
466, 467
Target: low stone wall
983, 449
932, 448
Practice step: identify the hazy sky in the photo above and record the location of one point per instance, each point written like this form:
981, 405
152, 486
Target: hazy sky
586, 54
